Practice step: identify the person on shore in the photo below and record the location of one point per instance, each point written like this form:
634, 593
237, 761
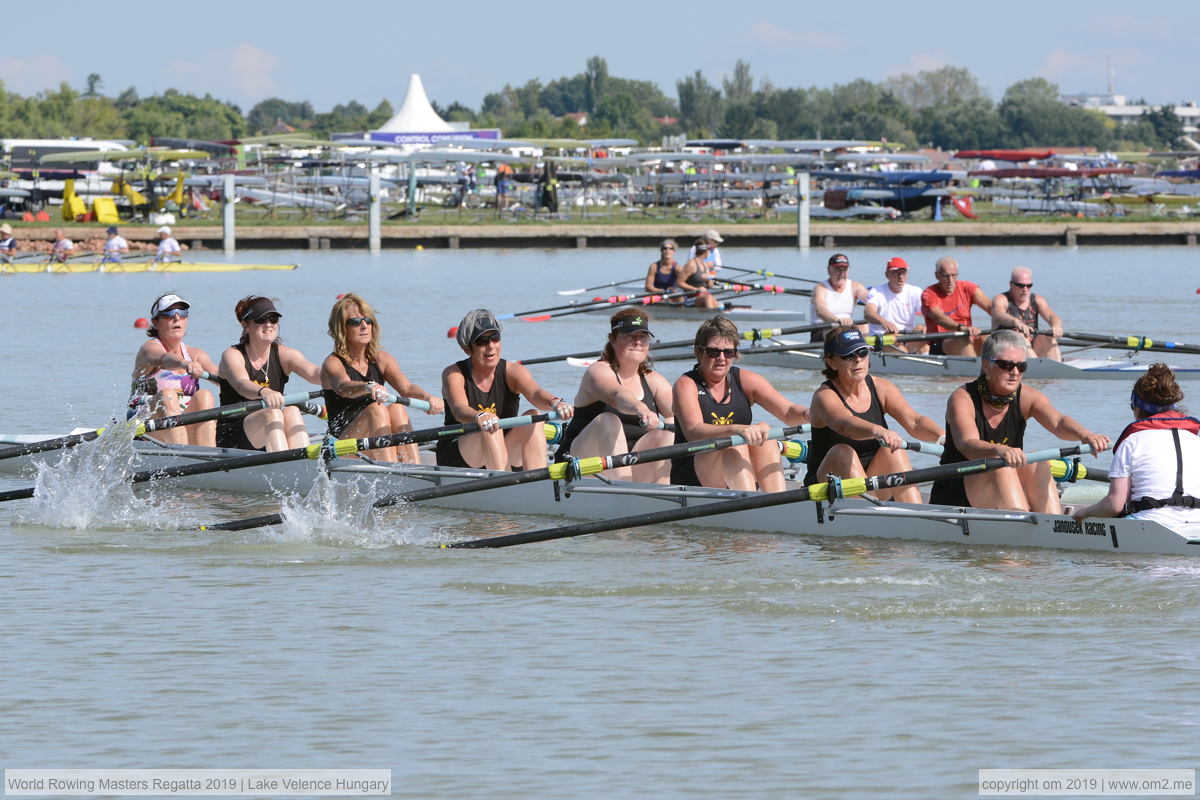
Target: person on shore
662, 277
850, 435
620, 402
166, 375
115, 246
484, 388
8, 244
168, 248
62, 249
715, 398
1020, 309
1155, 471
503, 181
986, 418
834, 298
895, 307
712, 255
695, 280
355, 376
947, 307
257, 368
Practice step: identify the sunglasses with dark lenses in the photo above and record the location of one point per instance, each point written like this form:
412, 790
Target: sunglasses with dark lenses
1009, 366
861, 352
172, 313
664, 249
717, 352
354, 322
269, 319
486, 338
1022, 285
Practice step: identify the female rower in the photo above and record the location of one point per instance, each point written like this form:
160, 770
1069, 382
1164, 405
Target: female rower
986, 418
662, 275
694, 277
483, 388
1155, 472
850, 437
715, 399
166, 374
620, 400
257, 367
354, 377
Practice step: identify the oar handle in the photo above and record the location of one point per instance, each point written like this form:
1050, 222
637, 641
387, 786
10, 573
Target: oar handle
411, 402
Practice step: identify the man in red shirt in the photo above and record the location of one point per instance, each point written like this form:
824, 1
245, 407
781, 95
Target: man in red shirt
947, 307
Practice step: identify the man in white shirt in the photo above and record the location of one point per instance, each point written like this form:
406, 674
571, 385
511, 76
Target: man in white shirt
115, 246
713, 257
168, 248
895, 307
62, 248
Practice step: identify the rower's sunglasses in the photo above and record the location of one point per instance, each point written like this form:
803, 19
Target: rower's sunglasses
716, 352
1009, 366
354, 322
486, 338
860, 353
172, 313
1022, 285
664, 249
269, 319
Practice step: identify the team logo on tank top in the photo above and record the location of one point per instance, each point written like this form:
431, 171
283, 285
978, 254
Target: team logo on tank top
721, 419
482, 409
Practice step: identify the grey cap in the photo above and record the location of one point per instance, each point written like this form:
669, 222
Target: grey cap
475, 324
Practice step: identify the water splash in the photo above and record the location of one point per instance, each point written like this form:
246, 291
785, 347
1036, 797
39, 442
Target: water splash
88, 485
341, 514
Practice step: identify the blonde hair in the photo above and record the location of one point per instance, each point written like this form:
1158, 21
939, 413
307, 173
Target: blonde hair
337, 325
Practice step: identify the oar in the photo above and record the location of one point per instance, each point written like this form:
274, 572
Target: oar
766, 287
573, 307
556, 472
764, 273
338, 447
158, 424
752, 335
1133, 342
1072, 471
817, 492
618, 301
568, 292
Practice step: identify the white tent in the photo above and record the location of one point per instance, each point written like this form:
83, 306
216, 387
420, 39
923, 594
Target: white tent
416, 115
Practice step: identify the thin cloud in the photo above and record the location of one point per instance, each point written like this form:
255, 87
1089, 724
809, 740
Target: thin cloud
247, 74
31, 75
770, 35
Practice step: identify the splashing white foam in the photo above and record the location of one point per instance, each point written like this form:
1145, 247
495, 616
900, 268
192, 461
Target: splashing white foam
341, 514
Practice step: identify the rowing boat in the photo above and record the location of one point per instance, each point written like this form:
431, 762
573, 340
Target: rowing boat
133, 266
742, 314
596, 497
1122, 368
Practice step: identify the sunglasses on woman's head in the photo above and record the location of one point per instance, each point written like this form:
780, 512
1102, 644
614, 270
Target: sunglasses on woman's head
354, 322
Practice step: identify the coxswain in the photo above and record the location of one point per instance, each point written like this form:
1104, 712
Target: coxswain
834, 298
166, 374
715, 398
355, 377
484, 388
986, 418
947, 307
622, 402
850, 434
257, 368
1020, 309
1155, 470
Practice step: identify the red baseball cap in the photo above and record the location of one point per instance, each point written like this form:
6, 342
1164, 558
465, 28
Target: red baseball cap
897, 263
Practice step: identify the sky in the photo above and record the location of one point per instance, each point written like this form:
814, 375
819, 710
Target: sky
328, 53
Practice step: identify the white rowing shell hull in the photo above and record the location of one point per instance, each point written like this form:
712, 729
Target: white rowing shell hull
595, 499
968, 367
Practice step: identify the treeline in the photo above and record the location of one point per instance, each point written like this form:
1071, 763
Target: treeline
946, 108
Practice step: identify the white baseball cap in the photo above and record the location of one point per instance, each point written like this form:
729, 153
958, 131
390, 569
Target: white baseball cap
713, 236
165, 229
165, 302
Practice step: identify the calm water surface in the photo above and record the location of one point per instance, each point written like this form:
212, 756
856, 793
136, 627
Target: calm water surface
668, 662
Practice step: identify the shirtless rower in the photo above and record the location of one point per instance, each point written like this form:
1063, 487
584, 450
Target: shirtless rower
947, 307
833, 299
1020, 309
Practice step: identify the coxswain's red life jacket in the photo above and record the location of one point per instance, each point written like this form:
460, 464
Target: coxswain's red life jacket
1174, 422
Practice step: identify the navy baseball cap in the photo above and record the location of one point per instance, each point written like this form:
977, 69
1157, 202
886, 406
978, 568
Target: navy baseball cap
845, 343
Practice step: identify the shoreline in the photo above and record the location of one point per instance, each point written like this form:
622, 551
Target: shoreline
560, 234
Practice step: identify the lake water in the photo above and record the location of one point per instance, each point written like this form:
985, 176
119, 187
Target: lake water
668, 662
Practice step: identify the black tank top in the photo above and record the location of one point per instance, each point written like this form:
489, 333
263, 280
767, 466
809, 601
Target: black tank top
343, 410
499, 400
1010, 432
1028, 316
585, 414
823, 439
270, 375
733, 409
